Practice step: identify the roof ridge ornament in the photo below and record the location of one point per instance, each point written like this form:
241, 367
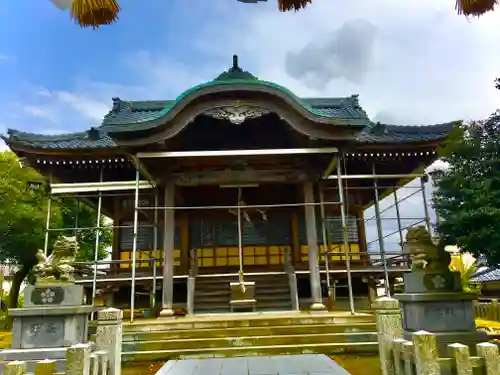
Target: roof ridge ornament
235, 73
93, 134
236, 114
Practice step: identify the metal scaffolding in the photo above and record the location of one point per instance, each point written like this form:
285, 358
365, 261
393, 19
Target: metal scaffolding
104, 189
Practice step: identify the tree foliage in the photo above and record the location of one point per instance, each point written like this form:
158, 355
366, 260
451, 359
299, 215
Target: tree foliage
23, 214
467, 197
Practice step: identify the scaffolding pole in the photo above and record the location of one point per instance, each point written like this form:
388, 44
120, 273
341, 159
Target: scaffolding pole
75, 231
398, 215
396, 231
392, 205
134, 243
155, 251
380, 232
240, 238
47, 222
326, 243
344, 234
97, 243
428, 224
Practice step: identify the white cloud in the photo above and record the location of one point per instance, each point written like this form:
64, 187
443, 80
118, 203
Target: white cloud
345, 53
41, 112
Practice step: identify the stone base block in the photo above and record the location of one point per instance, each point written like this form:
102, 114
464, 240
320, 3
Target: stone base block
57, 294
432, 281
438, 316
50, 326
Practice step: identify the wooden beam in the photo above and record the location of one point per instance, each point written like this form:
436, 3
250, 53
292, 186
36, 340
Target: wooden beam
239, 176
262, 152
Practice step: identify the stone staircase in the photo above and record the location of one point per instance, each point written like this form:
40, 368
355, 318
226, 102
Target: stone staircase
212, 294
231, 335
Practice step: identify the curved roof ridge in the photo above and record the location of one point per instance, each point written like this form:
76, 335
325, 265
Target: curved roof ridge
21, 135
419, 128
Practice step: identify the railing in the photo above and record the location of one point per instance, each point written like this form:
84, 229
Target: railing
420, 356
80, 360
487, 310
113, 270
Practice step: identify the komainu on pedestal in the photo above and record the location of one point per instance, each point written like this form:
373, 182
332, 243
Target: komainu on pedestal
58, 266
53, 317
433, 299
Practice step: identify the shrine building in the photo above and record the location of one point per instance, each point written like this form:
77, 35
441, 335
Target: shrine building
236, 182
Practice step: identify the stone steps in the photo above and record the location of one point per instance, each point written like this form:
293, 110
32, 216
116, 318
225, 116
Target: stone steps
248, 331
245, 320
253, 334
330, 348
249, 341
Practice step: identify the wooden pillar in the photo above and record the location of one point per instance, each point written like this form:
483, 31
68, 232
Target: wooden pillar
296, 255
361, 229
115, 247
312, 243
168, 250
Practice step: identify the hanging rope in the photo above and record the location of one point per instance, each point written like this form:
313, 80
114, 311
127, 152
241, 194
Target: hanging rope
240, 244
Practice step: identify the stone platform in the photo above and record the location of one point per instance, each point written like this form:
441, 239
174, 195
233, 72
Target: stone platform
262, 365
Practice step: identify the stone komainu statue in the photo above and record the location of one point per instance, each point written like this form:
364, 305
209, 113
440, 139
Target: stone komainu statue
424, 253
59, 265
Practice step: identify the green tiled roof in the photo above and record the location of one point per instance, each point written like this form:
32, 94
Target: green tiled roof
126, 116
376, 134
91, 139
131, 116
380, 133
141, 115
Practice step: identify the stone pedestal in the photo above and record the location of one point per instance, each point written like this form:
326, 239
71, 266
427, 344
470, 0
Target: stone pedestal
433, 301
52, 319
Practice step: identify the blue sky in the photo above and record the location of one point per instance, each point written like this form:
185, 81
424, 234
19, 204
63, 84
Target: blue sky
411, 62
43, 52
407, 62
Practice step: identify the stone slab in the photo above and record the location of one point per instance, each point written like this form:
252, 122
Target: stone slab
429, 297
303, 364
49, 331
53, 295
438, 316
41, 311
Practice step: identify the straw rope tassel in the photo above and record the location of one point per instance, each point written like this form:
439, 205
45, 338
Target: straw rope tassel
475, 7
287, 5
94, 13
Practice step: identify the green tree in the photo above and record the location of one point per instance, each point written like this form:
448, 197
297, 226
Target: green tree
23, 213
467, 197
